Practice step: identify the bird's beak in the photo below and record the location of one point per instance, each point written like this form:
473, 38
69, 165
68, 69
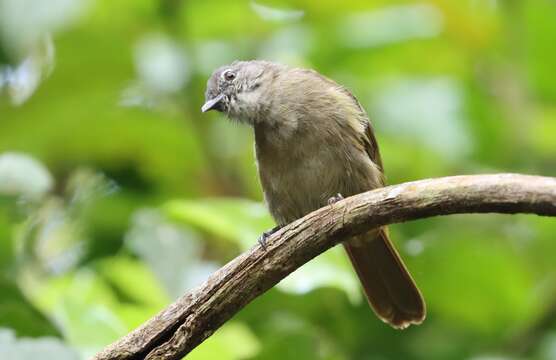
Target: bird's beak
213, 104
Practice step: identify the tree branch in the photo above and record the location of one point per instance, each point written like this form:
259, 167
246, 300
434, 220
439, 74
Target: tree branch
183, 325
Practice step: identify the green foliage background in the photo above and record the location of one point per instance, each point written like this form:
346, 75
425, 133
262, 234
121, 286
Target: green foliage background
117, 195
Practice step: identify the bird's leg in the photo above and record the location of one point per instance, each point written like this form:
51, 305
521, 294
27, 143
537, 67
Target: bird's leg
266, 234
334, 199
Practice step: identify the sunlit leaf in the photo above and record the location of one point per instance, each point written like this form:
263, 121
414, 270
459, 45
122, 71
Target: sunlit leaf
237, 220
22, 175
233, 341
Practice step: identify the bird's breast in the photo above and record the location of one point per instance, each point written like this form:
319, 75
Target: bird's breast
299, 177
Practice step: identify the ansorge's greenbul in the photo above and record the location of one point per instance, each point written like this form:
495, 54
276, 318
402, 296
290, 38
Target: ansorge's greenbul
313, 140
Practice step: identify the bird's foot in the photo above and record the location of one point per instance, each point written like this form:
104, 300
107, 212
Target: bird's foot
334, 199
265, 235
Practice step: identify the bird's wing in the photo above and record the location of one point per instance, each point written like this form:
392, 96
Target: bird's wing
368, 137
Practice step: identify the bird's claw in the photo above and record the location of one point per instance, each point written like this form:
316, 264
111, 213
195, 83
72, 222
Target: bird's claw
334, 199
265, 235
262, 240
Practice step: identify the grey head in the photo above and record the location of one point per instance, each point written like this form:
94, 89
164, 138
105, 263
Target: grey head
241, 89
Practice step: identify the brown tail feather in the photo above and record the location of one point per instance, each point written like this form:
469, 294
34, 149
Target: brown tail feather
389, 288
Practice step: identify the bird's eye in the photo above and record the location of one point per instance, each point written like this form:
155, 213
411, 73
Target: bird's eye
229, 75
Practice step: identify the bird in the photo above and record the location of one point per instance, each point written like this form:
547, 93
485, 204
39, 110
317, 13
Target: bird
314, 145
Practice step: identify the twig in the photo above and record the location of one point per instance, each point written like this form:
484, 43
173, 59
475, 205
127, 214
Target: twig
183, 325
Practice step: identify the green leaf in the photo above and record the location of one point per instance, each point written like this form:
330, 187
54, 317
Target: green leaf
96, 308
17, 313
242, 222
479, 283
125, 273
234, 340
331, 269
238, 220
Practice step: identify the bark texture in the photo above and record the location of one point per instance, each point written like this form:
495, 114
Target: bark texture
183, 325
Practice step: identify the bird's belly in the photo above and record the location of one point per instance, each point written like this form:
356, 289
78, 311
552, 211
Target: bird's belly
301, 187
300, 173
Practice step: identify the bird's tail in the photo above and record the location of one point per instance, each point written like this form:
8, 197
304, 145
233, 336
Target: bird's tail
388, 286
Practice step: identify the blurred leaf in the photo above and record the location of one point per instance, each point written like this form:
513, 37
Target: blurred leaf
23, 175
7, 254
542, 138
242, 222
125, 273
331, 269
173, 253
477, 282
431, 114
36, 348
17, 313
276, 14
89, 307
539, 30
232, 341
392, 24
237, 220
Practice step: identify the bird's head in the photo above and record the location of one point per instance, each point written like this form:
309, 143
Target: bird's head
241, 90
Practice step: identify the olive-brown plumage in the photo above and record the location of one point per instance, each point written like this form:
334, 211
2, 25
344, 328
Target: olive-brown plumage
313, 140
